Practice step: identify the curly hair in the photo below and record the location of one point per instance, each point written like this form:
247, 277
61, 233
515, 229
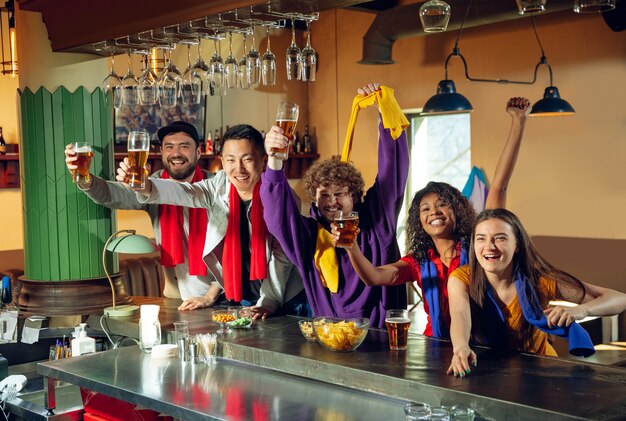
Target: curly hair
333, 171
418, 241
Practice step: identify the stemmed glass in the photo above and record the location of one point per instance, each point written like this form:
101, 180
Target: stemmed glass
216, 66
111, 86
201, 68
148, 89
129, 86
169, 83
308, 58
191, 82
268, 64
231, 65
224, 317
293, 55
253, 62
242, 75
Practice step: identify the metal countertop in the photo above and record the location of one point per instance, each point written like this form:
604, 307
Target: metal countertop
502, 387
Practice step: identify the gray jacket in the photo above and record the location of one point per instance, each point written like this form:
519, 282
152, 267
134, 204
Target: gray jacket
283, 281
178, 282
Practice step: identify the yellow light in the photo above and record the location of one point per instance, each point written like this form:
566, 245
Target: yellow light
154, 59
13, 53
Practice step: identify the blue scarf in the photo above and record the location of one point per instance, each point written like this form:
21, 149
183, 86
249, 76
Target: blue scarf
430, 291
580, 343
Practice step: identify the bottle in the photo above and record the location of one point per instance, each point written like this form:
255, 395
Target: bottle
306, 140
209, 144
217, 143
82, 344
3, 144
6, 294
297, 144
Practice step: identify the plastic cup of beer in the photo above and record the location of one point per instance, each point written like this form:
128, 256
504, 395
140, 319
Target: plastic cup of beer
348, 225
138, 149
286, 119
398, 323
84, 153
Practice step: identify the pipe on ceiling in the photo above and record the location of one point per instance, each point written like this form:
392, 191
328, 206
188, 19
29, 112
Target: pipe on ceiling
403, 22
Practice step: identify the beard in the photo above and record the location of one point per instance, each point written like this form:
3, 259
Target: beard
181, 172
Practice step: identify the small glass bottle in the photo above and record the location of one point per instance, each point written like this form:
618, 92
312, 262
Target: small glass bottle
3, 143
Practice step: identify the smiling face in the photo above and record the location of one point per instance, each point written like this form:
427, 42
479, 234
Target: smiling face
332, 199
436, 216
495, 246
243, 164
179, 154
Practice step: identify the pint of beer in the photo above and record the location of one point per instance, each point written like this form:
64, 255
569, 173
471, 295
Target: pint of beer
286, 119
398, 323
348, 225
138, 149
84, 155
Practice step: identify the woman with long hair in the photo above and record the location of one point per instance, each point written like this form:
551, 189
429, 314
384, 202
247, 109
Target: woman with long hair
439, 225
501, 299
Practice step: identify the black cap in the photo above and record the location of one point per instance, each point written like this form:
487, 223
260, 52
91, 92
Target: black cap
179, 126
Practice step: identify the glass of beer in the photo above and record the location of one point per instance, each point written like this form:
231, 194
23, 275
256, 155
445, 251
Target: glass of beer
348, 225
138, 149
286, 119
398, 323
84, 154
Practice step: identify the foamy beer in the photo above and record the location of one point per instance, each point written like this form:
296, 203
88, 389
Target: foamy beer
138, 149
398, 323
347, 225
83, 161
286, 119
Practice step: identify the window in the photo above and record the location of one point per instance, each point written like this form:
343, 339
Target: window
439, 147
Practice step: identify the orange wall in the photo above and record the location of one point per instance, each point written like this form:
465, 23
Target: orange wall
569, 179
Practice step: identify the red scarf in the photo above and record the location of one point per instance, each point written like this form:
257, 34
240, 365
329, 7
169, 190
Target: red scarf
231, 258
172, 232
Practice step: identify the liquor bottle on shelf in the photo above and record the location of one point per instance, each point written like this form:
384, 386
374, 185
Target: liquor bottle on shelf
297, 148
3, 143
209, 144
217, 143
306, 141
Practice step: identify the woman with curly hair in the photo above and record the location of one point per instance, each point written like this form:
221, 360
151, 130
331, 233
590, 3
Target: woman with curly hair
439, 226
502, 297
332, 286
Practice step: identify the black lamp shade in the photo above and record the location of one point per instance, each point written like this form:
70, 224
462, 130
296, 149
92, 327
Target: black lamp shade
551, 105
446, 101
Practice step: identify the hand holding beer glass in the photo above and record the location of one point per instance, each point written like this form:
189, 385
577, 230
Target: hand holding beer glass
348, 227
138, 149
398, 323
84, 154
286, 119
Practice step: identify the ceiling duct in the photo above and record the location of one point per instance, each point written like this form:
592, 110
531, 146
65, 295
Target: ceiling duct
404, 22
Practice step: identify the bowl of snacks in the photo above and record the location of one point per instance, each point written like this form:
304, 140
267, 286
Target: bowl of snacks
241, 323
337, 334
306, 327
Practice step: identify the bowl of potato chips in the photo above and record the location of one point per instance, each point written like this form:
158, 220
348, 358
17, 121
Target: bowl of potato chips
339, 334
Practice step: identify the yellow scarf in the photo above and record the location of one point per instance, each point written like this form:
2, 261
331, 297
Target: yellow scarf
393, 119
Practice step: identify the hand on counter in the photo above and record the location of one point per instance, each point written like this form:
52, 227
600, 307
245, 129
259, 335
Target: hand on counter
461, 360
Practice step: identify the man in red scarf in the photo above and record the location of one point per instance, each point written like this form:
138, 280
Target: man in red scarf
179, 231
247, 261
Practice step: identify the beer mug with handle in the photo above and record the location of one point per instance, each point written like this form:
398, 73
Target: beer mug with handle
138, 149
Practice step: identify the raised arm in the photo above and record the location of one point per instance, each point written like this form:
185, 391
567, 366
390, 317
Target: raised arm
518, 108
598, 301
460, 328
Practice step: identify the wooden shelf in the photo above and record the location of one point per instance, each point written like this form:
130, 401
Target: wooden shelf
10, 171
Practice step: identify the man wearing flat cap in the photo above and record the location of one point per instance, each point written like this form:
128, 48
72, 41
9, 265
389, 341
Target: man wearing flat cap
179, 231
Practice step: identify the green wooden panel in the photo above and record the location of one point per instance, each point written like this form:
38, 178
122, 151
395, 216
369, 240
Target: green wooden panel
64, 230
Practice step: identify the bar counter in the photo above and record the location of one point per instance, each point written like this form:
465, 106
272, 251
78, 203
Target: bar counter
273, 364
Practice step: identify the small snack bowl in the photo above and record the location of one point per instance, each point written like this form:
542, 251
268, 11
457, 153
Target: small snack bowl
306, 327
338, 334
